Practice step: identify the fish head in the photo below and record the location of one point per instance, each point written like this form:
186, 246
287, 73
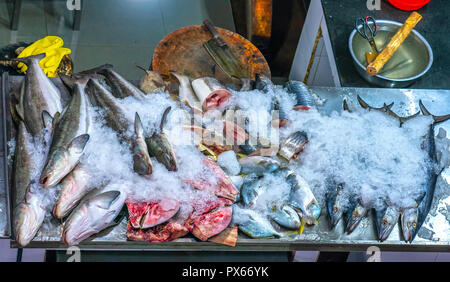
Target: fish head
409, 224
92, 216
355, 218
57, 166
387, 223
142, 163
27, 221
335, 214
313, 213
77, 226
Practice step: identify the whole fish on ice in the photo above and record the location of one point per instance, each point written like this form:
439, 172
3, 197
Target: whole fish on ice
38, 94
70, 134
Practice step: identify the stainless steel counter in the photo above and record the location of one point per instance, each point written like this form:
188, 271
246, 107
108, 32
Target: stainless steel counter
433, 236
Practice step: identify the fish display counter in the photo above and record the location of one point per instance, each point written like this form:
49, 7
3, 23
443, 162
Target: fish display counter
433, 236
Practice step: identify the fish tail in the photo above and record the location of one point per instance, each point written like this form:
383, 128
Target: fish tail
80, 79
28, 60
100, 69
138, 128
437, 119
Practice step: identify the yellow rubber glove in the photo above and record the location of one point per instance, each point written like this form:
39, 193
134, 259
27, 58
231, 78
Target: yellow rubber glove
52, 47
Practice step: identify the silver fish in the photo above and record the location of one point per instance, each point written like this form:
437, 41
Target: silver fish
142, 163
70, 135
303, 97
335, 202
302, 198
354, 214
258, 165
94, 214
28, 213
293, 145
38, 94
386, 218
256, 226
186, 93
73, 188
285, 216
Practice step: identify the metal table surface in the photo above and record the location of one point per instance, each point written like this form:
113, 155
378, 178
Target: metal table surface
318, 237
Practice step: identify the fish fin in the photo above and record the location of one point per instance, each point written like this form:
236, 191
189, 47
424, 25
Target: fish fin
81, 79
437, 119
28, 60
163, 119
345, 106
302, 226
106, 199
144, 69
56, 117
47, 119
138, 128
78, 143
363, 103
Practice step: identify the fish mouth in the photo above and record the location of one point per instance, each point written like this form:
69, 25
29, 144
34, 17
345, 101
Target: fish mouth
334, 220
408, 233
352, 224
385, 232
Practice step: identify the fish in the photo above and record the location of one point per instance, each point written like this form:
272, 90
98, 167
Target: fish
210, 92
302, 198
38, 94
28, 213
354, 214
263, 83
142, 163
304, 99
186, 93
334, 198
70, 135
258, 165
251, 190
413, 219
74, 187
285, 216
95, 213
120, 87
115, 114
386, 218
257, 226
151, 82
159, 146
293, 145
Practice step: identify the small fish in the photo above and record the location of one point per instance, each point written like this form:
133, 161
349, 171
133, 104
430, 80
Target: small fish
335, 202
73, 188
285, 216
91, 216
386, 218
293, 145
355, 213
142, 163
302, 199
151, 82
70, 134
38, 94
258, 165
256, 226
159, 146
210, 92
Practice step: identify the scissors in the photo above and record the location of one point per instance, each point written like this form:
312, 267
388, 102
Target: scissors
368, 32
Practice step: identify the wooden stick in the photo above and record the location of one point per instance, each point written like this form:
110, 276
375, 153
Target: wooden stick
374, 67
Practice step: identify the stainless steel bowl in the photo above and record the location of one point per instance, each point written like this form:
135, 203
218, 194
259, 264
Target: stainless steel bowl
411, 61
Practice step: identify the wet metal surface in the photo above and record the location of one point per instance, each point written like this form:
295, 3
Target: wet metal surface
319, 237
